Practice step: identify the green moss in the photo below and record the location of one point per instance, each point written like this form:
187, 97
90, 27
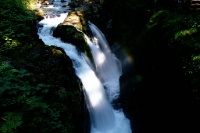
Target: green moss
70, 34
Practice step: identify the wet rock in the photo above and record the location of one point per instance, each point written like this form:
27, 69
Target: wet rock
71, 29
46, 2
69, 34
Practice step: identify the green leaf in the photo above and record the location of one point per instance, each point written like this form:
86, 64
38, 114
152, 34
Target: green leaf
12, 120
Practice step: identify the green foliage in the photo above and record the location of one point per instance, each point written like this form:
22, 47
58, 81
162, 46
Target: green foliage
46, 95
38, 87
186, 32
15, 24
29, 4
11, 79
178, 32
25, 103
16, 90
12, 121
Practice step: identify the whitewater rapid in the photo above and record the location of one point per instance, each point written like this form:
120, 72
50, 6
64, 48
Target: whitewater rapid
100, 84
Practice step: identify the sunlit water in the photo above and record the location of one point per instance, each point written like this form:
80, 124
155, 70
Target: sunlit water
100, 83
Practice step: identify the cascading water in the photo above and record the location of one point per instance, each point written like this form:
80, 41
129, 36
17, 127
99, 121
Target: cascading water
104, 119
108, 66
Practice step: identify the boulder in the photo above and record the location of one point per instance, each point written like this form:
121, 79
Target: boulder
77, 19
69, 34
71, 31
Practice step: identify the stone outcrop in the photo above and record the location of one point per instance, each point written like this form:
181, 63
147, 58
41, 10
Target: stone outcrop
69, 34
71, 31
77, 19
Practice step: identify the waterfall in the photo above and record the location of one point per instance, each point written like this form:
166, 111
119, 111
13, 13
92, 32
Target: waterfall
108, 66
100, 84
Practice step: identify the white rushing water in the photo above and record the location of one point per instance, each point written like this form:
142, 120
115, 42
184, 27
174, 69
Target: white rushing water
108, 66
100, 84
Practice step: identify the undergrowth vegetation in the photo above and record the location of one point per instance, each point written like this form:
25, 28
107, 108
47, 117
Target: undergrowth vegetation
180, 32
39, 91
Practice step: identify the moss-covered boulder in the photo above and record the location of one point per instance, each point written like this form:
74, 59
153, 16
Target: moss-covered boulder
78, 20
69, 34
72, 31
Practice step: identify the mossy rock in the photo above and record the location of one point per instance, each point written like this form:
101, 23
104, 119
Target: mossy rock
78, 20
69, 34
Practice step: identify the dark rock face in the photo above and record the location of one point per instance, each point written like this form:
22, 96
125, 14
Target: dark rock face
78, 20
69, 34
71, 29
93, 11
